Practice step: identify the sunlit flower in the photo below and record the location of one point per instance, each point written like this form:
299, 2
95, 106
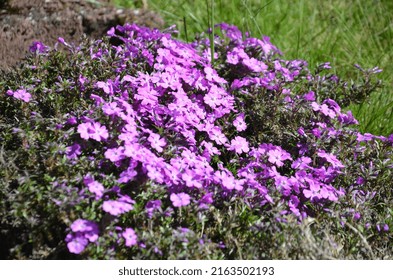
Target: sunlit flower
180, 199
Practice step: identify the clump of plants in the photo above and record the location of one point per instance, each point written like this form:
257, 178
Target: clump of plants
140, 146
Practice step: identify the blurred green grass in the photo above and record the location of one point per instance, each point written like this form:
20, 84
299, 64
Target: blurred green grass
336, 31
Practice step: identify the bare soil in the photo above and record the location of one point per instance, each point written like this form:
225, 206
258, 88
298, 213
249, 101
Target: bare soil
24, 21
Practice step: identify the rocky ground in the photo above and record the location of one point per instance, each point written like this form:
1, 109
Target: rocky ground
25, 21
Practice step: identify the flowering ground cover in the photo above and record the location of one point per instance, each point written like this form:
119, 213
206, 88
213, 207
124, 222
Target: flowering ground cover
141, 146
342, 32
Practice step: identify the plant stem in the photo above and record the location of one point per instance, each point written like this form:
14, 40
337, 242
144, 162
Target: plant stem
212, 31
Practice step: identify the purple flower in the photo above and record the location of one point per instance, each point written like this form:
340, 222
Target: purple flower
95, 187
316, 132
364, 138
77, 244
155, 173
152, 206
92, 236
207, 198
390, 138
360, 181
73, 151
277, 156
92, 130
227, 180
310, 96
210, 150
254, 64
313, 193
213, 98
231, 31
367, 225
112, 207
333, 105
324, 109
38, 47
156, 142
232, 58
356, 216
301, 163
147, 95
128, 175
293, 203
111, 32
106, 87
375, 70
126, 199
332, 159
191, 179
71, 121
325, 65
130, 237
301, 131
117, 207
20, 94
115, 154
133, 150
216, 135
239, 145
239, 123
82, 80
111, 109
98, 100
82, 229
211, 75
62, 41
180, 199
81, 225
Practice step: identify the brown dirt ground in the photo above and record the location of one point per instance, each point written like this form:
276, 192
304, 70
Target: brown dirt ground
24, 21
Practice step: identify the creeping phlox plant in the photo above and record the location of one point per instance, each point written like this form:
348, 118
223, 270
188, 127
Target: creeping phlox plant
137, 146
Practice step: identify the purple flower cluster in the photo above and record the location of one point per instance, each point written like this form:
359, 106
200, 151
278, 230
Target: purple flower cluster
168, 118
83, 232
